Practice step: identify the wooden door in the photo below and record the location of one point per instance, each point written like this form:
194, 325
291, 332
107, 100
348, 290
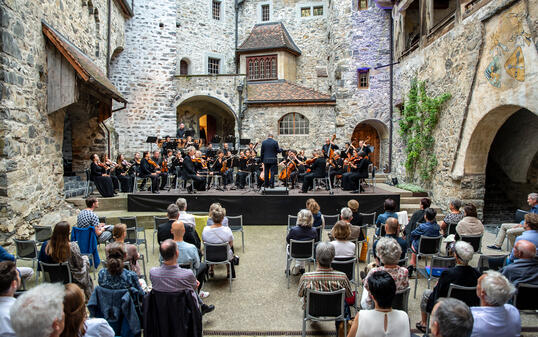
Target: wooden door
363, 131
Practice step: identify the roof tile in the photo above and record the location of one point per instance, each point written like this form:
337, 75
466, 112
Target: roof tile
284, 92
269, 36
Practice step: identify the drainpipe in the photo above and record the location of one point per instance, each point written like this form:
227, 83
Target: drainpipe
103, 125
391, 93
109, 4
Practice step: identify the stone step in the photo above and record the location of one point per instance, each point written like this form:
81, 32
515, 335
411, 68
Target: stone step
394, 189
117, 203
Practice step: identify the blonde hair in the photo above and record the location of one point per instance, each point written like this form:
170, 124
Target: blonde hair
217, 214
341, 230
305, 218
353, 205
312, 205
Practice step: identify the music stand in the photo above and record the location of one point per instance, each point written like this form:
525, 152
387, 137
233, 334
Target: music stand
151, 140
216, 139
244, 141
189, 133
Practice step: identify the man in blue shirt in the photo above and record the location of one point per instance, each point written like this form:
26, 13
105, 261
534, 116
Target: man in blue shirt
430, 229
530, 232
525, 266
512, 230
24, 272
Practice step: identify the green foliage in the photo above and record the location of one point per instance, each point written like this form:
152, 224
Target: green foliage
419, 119
410, 187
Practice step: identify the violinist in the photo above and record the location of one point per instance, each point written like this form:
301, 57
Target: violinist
317, 171
359, 170
242, 173
122, 174
328, 146
110, 166
252, 148
176, 166
101, 179
161, 167
167, 144
364, 147
337, 166
190, 142
135, 164
347, 151
219, 167
148, 169
289, 173
210, 152
189, 171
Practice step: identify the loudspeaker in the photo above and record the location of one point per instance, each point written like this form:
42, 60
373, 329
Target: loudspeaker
275, 191
394, 181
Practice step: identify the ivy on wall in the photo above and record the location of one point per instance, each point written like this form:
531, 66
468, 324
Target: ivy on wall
419, 119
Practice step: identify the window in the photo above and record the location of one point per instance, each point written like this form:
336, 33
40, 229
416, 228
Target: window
265, 13
318, 10
363, 4
305, 12
293, 124
183, 67
364, 78
216, 10
262, 68
213, 65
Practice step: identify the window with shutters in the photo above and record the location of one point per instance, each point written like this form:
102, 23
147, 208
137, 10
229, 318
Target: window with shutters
266, 16
305, 12
261, 68
317, 10
293, 124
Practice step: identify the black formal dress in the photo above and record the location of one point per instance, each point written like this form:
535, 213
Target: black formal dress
126, 181
241, 176
351, 180
269, 151
190, 173
103, 183
146, 171
317, 171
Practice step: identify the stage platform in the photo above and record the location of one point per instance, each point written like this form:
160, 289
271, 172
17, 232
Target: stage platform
260, 209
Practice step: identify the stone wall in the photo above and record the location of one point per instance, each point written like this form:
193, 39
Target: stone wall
31, 170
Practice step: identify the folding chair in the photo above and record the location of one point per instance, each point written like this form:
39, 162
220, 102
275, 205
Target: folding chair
475, 241
56, 272
329, 221
299, 251
235, 223
292, 221
324, 306
348, 266
42, 233
401, 300
157, 220
464, 294
427, 247
27, 250
217, 253
525, 297
491, 262
132, 233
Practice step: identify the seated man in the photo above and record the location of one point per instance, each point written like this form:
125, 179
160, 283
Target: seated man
512, 230
451, 318
525, 266
87, 218
189, 254
392, 230
9, 283
164, 231
390, 212
186, 218
169, 277
25, 272
494, 317
430, 229
530, 232
39, 311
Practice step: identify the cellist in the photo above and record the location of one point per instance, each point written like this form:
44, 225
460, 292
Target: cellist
289, 172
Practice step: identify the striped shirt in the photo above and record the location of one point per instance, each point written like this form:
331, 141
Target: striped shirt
324, 279
172, 279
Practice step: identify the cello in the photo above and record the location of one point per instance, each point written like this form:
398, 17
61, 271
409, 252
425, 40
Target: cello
288, 169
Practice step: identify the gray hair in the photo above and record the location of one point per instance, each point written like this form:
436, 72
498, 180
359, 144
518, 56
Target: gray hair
305, 218
533, 196
325, 254
346, 213
34, 312
181, 203
453, 317
456, 203
172, 211
388, 250
497, 288
464, 251
217, 214
190, 149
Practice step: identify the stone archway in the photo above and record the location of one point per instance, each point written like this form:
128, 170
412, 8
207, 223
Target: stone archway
377, 131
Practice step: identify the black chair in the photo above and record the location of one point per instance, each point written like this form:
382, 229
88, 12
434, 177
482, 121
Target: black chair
401, 300
348, 267
26, 250
42, 233
102, 219
324, 306
132, 233
437, 262
292, 221
525, 297
217, 253
368, 219
329, 221
464, 294
474, 240
427, 247
235, 223
56, 272
300, 251
491, 262
89, 188
157, 220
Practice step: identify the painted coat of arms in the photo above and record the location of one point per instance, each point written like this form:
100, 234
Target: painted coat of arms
492, 72
515, 65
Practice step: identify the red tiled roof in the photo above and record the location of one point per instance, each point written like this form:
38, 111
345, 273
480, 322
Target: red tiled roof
282, 92
269, 36
83, 65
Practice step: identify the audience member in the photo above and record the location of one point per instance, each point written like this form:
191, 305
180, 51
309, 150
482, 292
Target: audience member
87, 218
452, 218
382, 320
115, 276
10, 281
530, 233
469, 225
213, 206
346, 215
512, 230
392, 230
303, 231
119, 234
186, 218
356, 219
390, 209
462, 274
217, 233
76, 322
525, 266
313, 206
25, 272
430, 229
188, 254
451, 318
389, 252
495, 317
39, 311
170, 278
59, 249
343, 247
164, 231
417, 217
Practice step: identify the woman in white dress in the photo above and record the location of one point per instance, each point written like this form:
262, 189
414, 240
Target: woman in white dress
382, 321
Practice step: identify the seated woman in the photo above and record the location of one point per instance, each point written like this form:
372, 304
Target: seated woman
101, 179
382, 320
389, 251
213, 207
313, 207
452, 218
58, 249
122, 174
77, 323
217, 233
430, 228
114, 276
354, 207
303, 231
343, 247
119, 233
416, 218
469, 225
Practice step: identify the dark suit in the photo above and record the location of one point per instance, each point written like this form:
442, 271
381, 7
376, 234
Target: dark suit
189, 172
269, 151
164, 233
317, 171
146, 171
180, 133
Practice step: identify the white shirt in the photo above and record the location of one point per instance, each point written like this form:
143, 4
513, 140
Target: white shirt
187, 219
371, 324
98, 327
218, 235
5, 321
343, 248
496, 321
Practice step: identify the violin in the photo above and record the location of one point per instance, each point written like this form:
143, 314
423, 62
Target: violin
103, 165
153, 163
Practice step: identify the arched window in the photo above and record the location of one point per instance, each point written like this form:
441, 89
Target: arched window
183, 67
293, 124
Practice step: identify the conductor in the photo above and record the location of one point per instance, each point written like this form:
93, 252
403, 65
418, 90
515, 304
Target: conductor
268, 154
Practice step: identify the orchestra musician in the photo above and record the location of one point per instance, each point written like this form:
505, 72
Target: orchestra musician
162, 166
252, 148
148, 169
243, 172
347, 151
110, 167
189, 171
359, 170
364, 147
135, 164
269, 151
337, 166
190, 142
175, 166
317, 171
180, 133
101, 179
220, 167
166, 145
289, 172
122, 174
210, 152
329, 145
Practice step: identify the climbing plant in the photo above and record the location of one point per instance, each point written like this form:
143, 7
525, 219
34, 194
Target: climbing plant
419, 119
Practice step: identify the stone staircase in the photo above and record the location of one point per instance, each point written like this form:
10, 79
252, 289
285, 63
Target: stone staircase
74, 186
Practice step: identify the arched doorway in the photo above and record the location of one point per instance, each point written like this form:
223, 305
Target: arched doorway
376, 133
207, 117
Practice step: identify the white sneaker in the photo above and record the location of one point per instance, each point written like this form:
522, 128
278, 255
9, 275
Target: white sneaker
204, 294
295, 270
